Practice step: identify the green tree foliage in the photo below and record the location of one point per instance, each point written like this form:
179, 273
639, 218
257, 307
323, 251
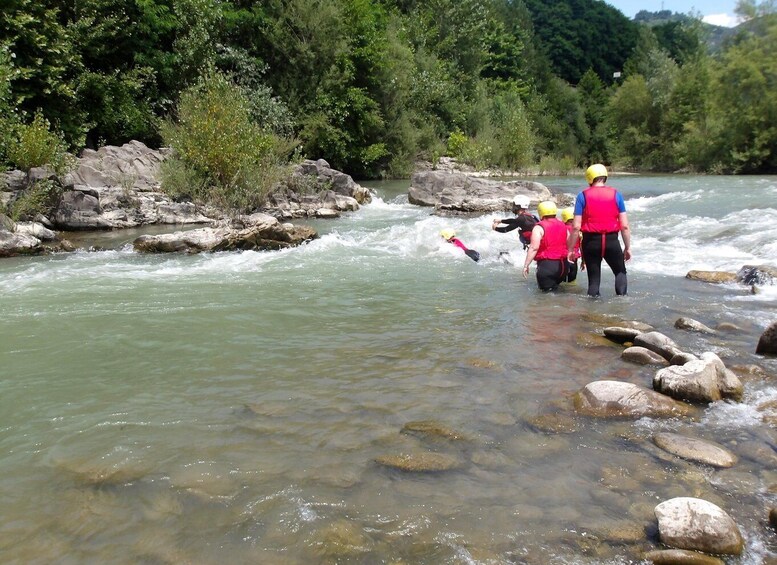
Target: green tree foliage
583, 34
221, 155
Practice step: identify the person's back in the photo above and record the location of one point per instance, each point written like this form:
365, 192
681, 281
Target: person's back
600, 215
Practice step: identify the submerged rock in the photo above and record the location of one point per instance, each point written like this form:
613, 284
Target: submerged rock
695, 449
621, 334
680, 557
695, 524
432, 428
426, 462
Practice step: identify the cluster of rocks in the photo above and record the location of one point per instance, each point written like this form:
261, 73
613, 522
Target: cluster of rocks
119, 187
687, 525
459, 193
750, 275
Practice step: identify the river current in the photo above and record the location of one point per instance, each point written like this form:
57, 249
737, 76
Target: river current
230, 407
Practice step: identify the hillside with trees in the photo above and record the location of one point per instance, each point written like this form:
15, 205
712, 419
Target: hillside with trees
373, 86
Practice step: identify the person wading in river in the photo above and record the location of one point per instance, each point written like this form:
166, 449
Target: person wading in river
548, 246
522, 221
600, 214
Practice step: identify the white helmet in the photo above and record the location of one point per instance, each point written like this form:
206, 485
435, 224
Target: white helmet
522, 201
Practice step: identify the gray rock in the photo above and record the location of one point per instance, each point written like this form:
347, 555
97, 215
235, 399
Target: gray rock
642, 356
680, 557
695, 524
692, 325
620, 334
79, 211
36, 230
607, 399
12, 244
728, 327
461, 193
657, 342
729, 385
757, 275
696, 381
695, 449
767, 344
712, 276
262, 236
682, 358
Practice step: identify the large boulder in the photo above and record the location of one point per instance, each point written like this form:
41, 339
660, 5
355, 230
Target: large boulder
642, 356
608, 399
699, 380
767, 344
12, 243
695, 524
460, 193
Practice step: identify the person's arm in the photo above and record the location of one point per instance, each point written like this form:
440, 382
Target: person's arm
458, 243
534, 246
509, 225
573, 238
625, 234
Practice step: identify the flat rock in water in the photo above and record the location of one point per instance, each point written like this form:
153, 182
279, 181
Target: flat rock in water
695, 524
695, 449
658, 342
427, 462
680, 557
712, 276
643, 356
432, 428
554, 423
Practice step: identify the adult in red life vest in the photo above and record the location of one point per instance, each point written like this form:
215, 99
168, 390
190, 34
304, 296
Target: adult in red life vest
548, 246
600, 214
523, 221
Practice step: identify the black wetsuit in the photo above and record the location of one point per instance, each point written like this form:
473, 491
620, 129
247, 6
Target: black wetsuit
523, 222
597, 246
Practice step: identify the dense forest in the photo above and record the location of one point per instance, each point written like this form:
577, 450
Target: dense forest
374, 85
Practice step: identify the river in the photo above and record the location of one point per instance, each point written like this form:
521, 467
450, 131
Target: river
230, 407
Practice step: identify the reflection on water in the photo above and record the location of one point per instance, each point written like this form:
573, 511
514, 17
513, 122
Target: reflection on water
231, 408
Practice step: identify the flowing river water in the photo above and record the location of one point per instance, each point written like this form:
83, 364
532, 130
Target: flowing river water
230, 407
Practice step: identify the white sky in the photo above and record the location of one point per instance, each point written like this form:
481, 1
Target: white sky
716, 12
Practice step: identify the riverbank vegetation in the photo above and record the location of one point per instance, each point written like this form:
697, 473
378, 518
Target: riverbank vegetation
373, 86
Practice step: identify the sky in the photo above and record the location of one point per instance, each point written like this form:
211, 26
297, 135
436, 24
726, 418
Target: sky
716, 12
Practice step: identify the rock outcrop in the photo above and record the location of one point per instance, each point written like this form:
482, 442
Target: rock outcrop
458, 193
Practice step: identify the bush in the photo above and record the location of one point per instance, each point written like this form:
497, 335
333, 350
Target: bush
35, 145
221, 156
39, 198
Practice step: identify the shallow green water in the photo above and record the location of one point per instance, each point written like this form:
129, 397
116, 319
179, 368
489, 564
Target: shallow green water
230, 407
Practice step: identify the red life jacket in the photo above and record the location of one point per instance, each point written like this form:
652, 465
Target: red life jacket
600, 214
553, 244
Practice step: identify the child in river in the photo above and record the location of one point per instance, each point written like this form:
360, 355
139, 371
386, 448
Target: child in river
450, 236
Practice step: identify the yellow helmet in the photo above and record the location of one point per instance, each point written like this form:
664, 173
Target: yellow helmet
448, 233
547, 208
594, 172
567, 214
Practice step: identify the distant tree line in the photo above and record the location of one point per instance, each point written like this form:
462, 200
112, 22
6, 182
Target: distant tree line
375, 85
